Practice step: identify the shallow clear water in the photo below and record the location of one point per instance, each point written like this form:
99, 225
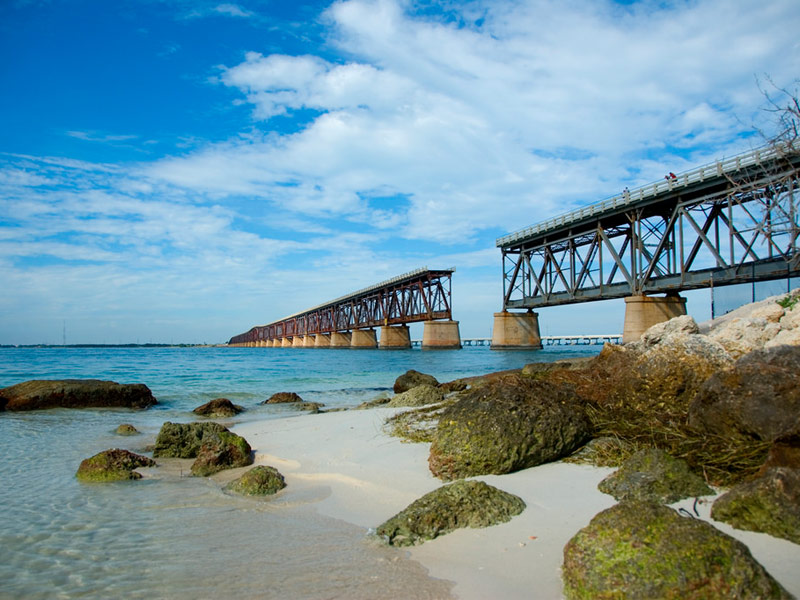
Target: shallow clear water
179, 537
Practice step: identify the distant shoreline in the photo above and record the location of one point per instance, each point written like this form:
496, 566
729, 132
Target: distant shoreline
113, 345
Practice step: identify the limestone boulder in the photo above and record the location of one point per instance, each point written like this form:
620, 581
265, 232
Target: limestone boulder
683, 325
420, 395
225, 450
769, 504
75, 393
258, 481
643, 550
461, 504
183, 440
283, 397
126, 429
508, 424
652, 474
219, 408
758, 397
740, 336
112, 465
412, 378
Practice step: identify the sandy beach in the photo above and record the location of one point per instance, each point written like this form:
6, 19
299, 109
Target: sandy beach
351, 470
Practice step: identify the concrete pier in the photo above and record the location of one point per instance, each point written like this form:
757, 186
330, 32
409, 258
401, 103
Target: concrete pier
364, 338
515, 331
309, 341
442, 335
286, 342
340, 339
322, 340
395, 337
642, 312
298, 341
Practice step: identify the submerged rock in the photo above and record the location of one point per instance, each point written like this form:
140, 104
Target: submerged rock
420, 395
652, 474
643, 550
460, 504
218, 408
212, 445
75, 393
505, 425
769, 504
113, 465
258, 481
126, 429
758, 397
411, 379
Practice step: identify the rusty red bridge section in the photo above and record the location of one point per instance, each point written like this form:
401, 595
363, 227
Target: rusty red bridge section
423, 295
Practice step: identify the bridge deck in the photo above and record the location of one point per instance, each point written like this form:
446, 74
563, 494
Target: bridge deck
729, 222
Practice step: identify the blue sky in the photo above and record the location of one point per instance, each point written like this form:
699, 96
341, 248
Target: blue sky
179, 171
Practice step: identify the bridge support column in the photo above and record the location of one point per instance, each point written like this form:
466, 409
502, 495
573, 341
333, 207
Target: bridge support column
395, 337
516, 331
443, 335
298, 341
364, 338
323, 340
340, 339
309, 341
642, 312
286, 342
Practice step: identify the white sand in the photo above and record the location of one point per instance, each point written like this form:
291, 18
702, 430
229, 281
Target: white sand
351, 470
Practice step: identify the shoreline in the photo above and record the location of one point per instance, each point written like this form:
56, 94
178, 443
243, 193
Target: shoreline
351, 470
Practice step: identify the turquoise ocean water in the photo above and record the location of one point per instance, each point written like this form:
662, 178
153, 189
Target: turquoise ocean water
184, 537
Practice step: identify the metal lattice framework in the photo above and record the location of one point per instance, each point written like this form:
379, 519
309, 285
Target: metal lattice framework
729, 222
421, 295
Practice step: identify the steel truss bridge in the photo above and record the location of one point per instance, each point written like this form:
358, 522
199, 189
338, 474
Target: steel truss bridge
729, 222
421, 295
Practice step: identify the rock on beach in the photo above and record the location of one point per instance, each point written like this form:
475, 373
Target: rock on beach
112, 465
213, 447
75, 393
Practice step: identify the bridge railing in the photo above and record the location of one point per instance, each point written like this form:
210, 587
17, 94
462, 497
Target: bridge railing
696, 175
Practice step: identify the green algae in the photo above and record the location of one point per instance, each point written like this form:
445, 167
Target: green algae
258, 481
112, 465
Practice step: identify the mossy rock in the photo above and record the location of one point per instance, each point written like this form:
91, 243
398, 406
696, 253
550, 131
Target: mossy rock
652, 474
769, 504
126, 429
420, 395
643, 550
411, 379
112, 465
460, 504
258, 481
283, 398
218, 408
507, 424
75, 393
225, 450
183, 440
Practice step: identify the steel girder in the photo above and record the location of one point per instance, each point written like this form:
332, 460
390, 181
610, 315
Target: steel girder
739, 226
422, 295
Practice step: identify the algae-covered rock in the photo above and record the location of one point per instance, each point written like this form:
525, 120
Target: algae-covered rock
283, 398
412, 378
769, 504
183, 440
460, 504
420, 395
224, 450
758, 397
112, 465
126, 429
507, 424
75, 393
643, 550
258, 481
652, 474
218, 408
